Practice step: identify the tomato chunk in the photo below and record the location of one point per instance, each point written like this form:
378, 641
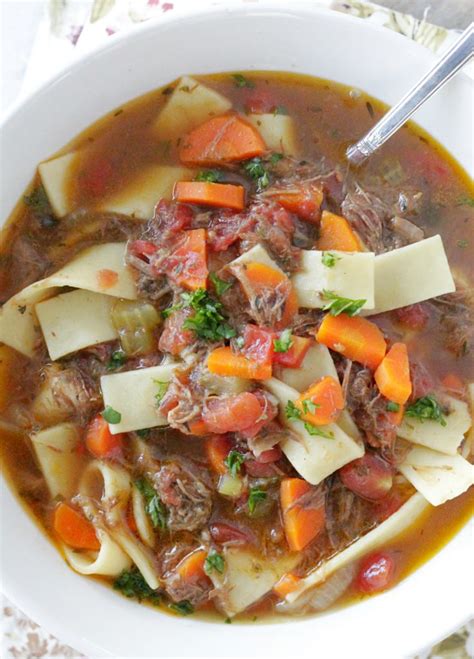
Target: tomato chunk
294, 356
232, 413
303, 200
376, 573
258, 344
370, 476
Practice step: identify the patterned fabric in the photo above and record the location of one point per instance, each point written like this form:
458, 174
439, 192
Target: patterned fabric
69, 29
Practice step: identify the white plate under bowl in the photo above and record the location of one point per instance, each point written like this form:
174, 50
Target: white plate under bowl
265, 35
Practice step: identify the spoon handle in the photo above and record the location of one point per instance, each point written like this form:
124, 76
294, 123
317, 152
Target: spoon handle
459, 53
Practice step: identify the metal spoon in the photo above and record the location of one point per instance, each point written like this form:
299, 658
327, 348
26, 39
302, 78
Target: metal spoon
459, 53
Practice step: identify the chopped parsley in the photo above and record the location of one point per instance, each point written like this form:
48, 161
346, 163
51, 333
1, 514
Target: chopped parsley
317, 432
426, 408
241, 81
275, 157
219, 284
117, 359
184, 608
257, 171
154, 507
465, 201
255, 496
111, 415
228, 621
337, 305
309, 407
209, 176
234, 462
329, 259
284, 341
462, 244
131, 584
144, 433
392, 407
207, 322
214, 561
294, 414
162, 389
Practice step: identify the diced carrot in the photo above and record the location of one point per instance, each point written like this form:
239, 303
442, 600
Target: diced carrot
217, 449
187, 264
302, 523
210, 194
198, 428
393, 375
100, 441
287, 584
354, 337
191, 567
74, 529
322, 402
222, 361
259, 279
107, 278
303, 200
130, 519
293, 358
335, 232
228, 138
454, 385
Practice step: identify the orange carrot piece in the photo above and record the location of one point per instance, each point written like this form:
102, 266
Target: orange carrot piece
305, 201
222, 361
262, 280
74, 529
228, 138
210, 194
336, 233
130, 519
302, 523
354, 337
217, 449
287, 584
188, 262
325, 397
191, 567
100, 441
393, 375
198, 428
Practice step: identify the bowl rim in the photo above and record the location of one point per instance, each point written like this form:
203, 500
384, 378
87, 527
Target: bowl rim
20, 595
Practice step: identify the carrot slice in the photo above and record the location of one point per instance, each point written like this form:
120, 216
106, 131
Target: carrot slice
222, 361
130, 519
187, 265
217, 449
335, 232
261, 280
210, 194
354, 337
221, 139
286, 584
191, 567
302, 523
100, 441
393, 375
304, 200
74, 529
322, 402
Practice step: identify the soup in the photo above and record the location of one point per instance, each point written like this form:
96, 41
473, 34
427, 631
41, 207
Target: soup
234, 372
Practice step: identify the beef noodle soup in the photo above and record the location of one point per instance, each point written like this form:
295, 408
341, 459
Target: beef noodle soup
235, 374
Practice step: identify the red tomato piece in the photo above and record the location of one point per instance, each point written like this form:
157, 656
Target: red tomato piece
268, 411
376, 573
258, 344
293, 358
174, 338
369, 477
232, 413
304, 200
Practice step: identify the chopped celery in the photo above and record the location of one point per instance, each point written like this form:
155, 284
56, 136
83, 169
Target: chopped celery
135, 322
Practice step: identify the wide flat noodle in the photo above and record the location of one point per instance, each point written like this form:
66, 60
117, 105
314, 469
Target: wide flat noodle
402, 519
18, 323
133, 395
109, 561
60, 462
55, 175
76, 320
278, 131
437, 476
257, 254
313, 457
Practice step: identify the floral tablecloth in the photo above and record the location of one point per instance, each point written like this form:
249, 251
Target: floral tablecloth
70, 28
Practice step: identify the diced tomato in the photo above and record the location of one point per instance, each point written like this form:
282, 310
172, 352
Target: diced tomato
376, 573
258, 344
263, 466
130, 519
268, 411
369, 476
106, 278
174, 338
228, 533
260, 101
270, 455
217, 449
232, 413
293, 358
142, 249
187, 264
415, 316
303, 200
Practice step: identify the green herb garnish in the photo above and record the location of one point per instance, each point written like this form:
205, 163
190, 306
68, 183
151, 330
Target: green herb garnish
219, 284
162, 389
337, 305
241, 81
315, 431
462, 244
207, 321
233, 462
228, 621
184, 608
329, 259
209, 176
255, 496
214, 561
426, 408
309, 407
154, 507
111, 415
294, 414
275, 157
257, 171
284, 341
131, 584
117, 359
392, 407
465, 201
144, 433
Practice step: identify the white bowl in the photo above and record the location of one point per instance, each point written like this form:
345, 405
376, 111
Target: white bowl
84, 613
